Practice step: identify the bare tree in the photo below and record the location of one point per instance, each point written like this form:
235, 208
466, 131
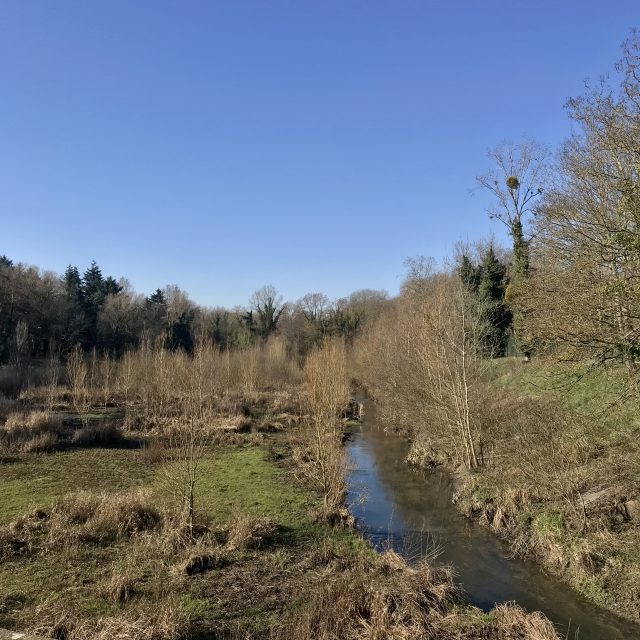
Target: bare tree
583, 301
315, 307
423, 360
21, 356
52, 374
188, 443
517, 180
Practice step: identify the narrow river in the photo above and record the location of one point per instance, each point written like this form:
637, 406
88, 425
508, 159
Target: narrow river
411, 512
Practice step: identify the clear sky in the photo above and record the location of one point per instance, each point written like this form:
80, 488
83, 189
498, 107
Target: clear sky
222, 146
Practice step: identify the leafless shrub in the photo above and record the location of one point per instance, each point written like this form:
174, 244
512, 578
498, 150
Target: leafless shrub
423, 362
325, 395
154, 451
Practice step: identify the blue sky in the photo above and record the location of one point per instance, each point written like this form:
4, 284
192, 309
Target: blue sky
221, 146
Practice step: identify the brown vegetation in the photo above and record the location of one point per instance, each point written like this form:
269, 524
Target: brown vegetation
325, 396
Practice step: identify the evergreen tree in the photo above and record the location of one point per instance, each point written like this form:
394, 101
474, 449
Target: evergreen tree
73, 285
155, 314
156, 298
487, 282
111, 287
469, 273
491, 291
75, 322
93, 288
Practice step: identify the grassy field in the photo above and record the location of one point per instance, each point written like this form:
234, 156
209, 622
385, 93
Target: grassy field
236, 482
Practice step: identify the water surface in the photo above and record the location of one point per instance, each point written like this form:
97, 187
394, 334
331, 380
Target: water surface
411, 512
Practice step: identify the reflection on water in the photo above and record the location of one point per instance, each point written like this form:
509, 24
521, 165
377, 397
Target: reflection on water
412, 513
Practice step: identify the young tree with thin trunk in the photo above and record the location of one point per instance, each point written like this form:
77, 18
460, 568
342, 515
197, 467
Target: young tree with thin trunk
52, 374
325, 396
77, 374
188, 443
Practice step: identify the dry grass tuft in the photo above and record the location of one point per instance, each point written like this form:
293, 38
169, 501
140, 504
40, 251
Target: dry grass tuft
34, 421
7, 407
81, 518
98, 435
249, 532
121, 587
42, 443
381, 597
30, 432
514, 622
202, 559
53, 619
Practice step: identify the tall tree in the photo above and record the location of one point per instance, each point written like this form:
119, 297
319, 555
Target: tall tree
491, 293
266, 308
73, 285
517, 182
584, 298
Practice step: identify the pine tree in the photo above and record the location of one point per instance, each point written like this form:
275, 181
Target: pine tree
156, 298
111, 287
469, 273
491, 290
93, 287
73, 285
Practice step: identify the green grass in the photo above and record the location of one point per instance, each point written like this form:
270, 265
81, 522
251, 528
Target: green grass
578, 386
550, 522
607, 398
37, 480
230, 478
244, 479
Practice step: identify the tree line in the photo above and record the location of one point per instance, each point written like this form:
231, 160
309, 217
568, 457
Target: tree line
41, 313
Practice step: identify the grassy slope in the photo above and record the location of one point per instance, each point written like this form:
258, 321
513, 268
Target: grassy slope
602, 562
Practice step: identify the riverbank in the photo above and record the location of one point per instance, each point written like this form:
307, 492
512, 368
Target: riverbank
412, 512
561, 475
91, 546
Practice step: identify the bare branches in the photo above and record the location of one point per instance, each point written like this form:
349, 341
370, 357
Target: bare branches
517, 180
325, 396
